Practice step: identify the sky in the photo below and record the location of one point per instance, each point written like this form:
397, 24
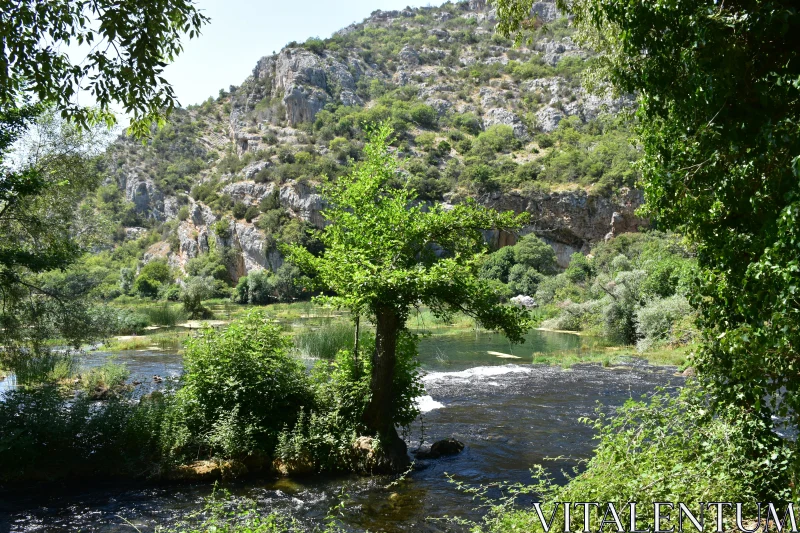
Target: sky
243, 31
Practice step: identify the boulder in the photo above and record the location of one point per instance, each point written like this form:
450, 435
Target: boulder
508, 118
522, 300
369, 459
440, 448
298, 466
548, 118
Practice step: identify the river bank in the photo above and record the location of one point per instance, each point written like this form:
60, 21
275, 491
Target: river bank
509, 416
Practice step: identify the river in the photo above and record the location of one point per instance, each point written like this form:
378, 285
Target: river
510, 414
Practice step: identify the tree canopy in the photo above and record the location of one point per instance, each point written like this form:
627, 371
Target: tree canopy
718, 117
387, 253
127, 45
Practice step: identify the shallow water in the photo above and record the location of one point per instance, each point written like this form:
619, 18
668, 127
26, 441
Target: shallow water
510, 416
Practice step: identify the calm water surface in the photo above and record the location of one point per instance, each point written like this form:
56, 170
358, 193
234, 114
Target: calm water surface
509, 413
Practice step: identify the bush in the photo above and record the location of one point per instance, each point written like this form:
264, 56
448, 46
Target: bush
533, 252
251, 213
667, 450
655, 322
579, 269
239, 210
424, 116
523, 279
497, 138
49, 436
194, 292
264, 388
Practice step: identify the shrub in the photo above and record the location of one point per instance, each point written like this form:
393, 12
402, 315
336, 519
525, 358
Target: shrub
533, 252
47, 436
523, 279
424, 115
656, 320
129, 322
579, 269
259, 288
667, 449
577, 317
194, 292
315, 44
497, 138
468, 122
239, 210
251, 213
146, 287
264, 388
425, 140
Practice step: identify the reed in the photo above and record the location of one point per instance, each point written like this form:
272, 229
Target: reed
165, 315
325, 341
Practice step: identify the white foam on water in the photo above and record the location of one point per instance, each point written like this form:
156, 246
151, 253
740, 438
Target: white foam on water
477, 372
427, 403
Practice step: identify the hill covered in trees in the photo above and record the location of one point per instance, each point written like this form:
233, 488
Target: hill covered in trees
216, 191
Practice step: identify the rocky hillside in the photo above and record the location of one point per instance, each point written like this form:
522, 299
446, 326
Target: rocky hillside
474, 117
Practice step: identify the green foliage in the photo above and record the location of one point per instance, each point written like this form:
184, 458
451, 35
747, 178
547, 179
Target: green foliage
521, 267
497, 138
151, 278
261, 287
109, 376
630, 289
241, 381
579, 268
380, 261
660, 322
327, 340
533, 252
666, 448
424, 115
148, 31
163, 315
721, 171
46, 436
195, 290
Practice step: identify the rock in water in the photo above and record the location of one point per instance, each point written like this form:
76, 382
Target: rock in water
449, 446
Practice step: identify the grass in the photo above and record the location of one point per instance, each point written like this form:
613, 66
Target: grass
614, 355
321, 331
165, 314
109, 376
325, 341
170, 340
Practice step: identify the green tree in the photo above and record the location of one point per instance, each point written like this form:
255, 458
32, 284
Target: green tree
196, 290
42, 228
130, 44
384, 255
721, 165
534, 253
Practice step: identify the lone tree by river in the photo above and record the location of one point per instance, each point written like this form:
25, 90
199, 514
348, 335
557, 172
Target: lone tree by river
386, 254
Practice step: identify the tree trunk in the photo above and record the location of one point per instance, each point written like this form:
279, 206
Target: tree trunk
378, 414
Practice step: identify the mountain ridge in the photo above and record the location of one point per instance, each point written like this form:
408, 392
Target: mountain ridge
474, 117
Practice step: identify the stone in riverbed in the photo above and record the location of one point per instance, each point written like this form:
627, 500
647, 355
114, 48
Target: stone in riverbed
441, 448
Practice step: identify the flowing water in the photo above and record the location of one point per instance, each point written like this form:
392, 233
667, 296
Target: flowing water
510, 414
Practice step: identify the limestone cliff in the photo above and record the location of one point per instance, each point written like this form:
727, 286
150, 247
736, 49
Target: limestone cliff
206, 181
